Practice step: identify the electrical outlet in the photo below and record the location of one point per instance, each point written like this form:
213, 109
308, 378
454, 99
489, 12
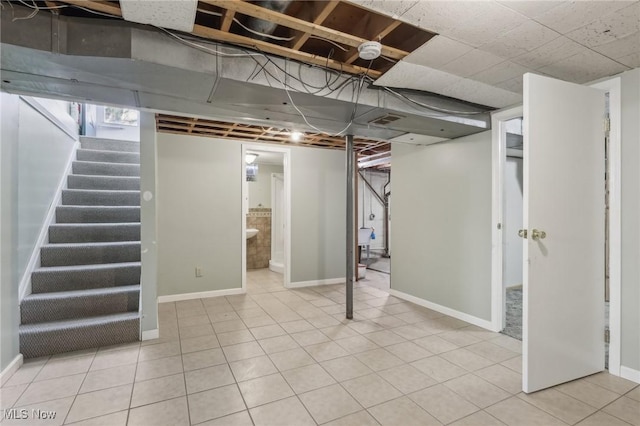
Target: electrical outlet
198, 272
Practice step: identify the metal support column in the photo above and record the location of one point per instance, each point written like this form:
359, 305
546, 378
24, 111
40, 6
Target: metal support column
350, 230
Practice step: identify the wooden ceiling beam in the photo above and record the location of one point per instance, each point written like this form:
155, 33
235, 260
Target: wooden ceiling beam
324, 13
267, 47
256, 11
98, 6
227, 20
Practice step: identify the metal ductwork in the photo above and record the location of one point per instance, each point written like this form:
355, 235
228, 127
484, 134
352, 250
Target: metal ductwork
121, 63
262, 26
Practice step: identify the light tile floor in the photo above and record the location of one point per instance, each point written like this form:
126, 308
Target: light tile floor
288, 357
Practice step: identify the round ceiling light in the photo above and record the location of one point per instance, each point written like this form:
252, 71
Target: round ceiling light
369, 50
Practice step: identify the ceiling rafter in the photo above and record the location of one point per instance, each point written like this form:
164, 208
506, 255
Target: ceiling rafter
316, 30
173, 124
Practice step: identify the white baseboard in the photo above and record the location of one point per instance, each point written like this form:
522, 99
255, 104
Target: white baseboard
151, 334
200, 295
330, 281
442, 309
10, 369
630, 374
34, 261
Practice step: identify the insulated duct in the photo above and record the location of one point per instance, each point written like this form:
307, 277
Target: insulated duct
261, 26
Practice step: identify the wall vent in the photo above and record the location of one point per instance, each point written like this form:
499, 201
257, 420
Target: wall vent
386, 119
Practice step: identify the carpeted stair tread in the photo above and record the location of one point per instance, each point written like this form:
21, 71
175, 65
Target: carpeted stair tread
78, 181
54, 337
108, 156
105, 169
61, 305
89, 253
93, 232
78, 277
100, 214
109, 144
95, 197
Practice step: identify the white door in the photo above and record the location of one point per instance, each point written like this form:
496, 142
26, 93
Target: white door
277, 218
563, 302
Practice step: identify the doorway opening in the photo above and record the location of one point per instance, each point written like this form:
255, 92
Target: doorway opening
512, 225
373, 197
505, 160
266, 215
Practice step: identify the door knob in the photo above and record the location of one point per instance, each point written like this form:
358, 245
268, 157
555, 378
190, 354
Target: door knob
538, 235
522, 233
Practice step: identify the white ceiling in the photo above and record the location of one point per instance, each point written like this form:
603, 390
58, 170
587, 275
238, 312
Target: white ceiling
268, 157
485, 46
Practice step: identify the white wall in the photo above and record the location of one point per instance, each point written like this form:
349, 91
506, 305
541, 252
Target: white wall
512, 222
368, 203
199, 213
260, 190
38, 138
149, 222
441, 239
318, 214
199, 184
630, 197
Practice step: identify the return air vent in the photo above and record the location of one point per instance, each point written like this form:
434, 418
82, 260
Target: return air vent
386, 119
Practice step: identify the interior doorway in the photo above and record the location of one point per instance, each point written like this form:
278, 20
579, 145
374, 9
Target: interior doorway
266, 213
505, 163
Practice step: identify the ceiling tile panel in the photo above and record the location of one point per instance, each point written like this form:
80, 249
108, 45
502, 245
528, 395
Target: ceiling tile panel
441, 16
609, 28
494, 21
621, 47
438, 51
472, 63
632, 61
525, 38
573, 15
554, 51
574, 69
475, 91
514, 85
418, 77
394, 8
500, 73
531, 8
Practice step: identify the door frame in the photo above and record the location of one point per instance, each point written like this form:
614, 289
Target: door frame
287, 207
274, 178
498, 152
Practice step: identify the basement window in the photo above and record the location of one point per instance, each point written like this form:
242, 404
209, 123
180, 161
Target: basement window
121, 116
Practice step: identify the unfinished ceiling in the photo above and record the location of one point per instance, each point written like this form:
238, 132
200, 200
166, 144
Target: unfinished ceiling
166, 123
325, 33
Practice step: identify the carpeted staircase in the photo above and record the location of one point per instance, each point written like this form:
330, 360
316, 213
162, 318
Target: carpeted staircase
86, 292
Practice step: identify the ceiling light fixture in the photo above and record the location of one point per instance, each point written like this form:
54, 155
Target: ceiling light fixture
370, 50
249, 158
296, 136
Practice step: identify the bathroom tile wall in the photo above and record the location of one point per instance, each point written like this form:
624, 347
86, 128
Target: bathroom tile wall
259, 247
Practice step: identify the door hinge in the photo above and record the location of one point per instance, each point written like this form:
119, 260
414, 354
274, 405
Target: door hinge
607, 124
607, 336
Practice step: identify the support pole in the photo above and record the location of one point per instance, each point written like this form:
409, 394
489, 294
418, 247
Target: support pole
350, 230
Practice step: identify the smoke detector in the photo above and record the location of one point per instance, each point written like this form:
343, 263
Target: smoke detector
369, 50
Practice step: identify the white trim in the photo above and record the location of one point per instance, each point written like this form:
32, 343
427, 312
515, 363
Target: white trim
287, 207
33, 103
151, 334
200, 295
313, 283
630, 374
442, 309
613, 86
13, 366
34, 261
498, 149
